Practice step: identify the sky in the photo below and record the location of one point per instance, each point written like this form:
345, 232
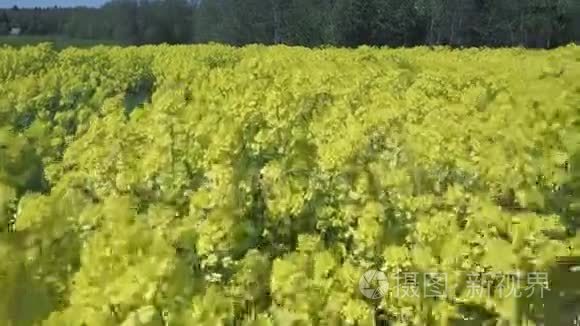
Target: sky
50, 3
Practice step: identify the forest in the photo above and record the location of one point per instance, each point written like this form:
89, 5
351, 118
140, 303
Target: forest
312, 23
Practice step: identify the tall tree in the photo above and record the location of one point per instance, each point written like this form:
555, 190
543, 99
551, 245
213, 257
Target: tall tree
4, 23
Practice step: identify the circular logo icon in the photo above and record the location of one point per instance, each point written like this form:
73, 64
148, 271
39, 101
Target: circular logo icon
373, 284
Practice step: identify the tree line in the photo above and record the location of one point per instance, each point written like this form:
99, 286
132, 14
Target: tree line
496, 23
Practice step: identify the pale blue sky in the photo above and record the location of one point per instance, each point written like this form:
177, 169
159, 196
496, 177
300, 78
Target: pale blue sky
50, 3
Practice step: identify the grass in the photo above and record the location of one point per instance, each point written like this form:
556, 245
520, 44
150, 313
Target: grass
60, 42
